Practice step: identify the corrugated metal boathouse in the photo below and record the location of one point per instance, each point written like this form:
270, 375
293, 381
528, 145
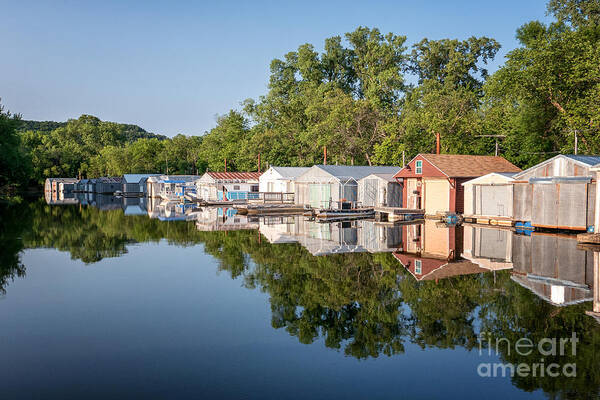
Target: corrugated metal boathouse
327, 186
558, 193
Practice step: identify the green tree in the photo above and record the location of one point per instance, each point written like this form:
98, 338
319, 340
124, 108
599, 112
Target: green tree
14, 163
549, 87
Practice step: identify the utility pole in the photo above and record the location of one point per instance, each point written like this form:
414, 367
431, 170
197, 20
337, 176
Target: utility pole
497, 144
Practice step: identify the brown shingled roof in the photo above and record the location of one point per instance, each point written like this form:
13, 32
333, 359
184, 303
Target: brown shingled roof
467, 166
235, 175
454, 269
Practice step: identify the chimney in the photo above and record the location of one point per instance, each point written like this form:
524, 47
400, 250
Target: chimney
325, 155
258, 162
437, 143
225, 165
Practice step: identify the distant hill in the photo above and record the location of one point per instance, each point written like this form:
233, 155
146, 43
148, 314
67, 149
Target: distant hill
40, 126
132, 132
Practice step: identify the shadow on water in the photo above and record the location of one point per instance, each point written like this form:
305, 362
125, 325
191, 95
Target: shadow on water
375, 290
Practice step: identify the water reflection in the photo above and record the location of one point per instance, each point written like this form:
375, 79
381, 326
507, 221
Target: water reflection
364, 288
550, 265
432, 251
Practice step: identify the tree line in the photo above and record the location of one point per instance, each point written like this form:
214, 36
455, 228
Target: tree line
370, 98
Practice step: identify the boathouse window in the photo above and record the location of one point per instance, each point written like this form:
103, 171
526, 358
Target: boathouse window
419, 167
418, 267
236, 187
254, 188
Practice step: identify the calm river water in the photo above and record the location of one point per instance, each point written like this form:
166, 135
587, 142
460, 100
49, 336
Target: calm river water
117, 299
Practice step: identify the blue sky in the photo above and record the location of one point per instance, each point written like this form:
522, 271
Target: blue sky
171, 67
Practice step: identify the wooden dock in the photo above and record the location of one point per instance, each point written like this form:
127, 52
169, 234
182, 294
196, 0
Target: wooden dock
397, 214
343, 214
489, 220
269, 209
589, 238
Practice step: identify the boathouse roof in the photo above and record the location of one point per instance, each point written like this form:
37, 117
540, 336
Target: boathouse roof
561, 165
290, 172
356, 172
234, 175
456, 166
589, 160
136, 178
386, 177
466, 166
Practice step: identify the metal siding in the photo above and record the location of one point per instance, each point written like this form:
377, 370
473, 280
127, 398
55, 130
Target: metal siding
494, 200
572, 205
368, 192
132, 187
545, 211
560, 205
522, 202
591, 203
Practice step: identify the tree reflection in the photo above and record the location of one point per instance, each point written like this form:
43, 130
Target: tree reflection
364, 305
12, 223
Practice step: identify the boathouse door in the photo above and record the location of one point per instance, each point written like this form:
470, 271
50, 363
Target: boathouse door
413, 195
319, 195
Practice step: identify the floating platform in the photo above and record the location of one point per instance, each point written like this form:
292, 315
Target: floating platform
270, 209
338, 215
589, 238
392, 214
489, 220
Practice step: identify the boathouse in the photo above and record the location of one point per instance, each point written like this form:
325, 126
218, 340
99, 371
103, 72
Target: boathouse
135, 184
380, 190
153, 184
168, 187
89, 185
65, 185
280, 179
334, 186
109, 185
490, 195
555, 194
227, 186
433, 182
558, 193
60, 190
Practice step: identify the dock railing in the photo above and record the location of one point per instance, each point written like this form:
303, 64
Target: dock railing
276, 197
